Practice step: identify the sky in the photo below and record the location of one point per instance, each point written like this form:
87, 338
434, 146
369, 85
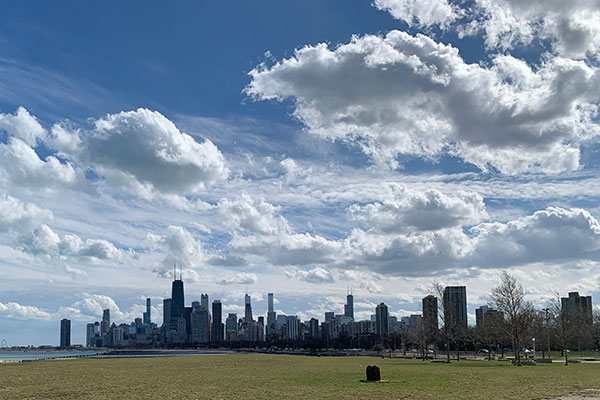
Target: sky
303, 148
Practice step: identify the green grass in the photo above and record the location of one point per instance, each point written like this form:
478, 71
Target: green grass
274, 376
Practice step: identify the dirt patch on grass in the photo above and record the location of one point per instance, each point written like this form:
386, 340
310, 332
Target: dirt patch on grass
584, 394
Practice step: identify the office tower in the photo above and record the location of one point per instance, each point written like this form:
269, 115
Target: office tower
349, 306
167, 313
177, 299
455, 305
195, 305
292, 327
105, 324
90, 335
577, 306
271, 317
381, 320
480, 315
200, 323
329, 315
65, 333
261, 321
430, 315
148, 313
204, 302
217, 323
313, 327
248, 309
231, 323
270, 297
281, 321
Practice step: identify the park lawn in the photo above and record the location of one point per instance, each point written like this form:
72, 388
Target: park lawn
257, 376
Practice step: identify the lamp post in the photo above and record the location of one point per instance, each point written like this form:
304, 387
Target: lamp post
533, 340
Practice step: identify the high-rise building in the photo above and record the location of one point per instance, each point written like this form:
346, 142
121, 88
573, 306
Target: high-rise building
90, 334
148, 313
105, 324
200, 322
455, 305
381, 320
313, 327
292, 327
271, 317
217, 323
65, 333
480, 315
577, 306
349, 306
195, 305
204, 302
430, 315
247, 309
167, 313
329, 316
177, 299
231, 323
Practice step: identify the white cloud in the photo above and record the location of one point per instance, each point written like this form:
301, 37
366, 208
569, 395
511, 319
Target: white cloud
179, 247
20, 217
573, 27
252, 215
242, 278
421, 13
403, 94
22, 125
316, 275
406, 210
18, 311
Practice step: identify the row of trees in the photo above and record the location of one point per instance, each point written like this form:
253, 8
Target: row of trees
515, 325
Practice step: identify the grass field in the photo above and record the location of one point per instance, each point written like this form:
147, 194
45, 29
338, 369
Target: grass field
250, 376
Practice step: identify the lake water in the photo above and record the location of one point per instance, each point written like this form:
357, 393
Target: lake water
21, 355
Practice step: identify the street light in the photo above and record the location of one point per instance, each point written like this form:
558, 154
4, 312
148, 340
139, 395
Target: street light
533, 340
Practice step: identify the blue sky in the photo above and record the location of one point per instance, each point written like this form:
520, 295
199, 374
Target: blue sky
293, 147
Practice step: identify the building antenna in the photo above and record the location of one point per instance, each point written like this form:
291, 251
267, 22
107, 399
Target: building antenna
174, 274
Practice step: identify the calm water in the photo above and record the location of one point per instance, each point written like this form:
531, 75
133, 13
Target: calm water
21, 355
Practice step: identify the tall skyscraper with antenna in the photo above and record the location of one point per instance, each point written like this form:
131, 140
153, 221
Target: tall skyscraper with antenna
349, 306
248, 308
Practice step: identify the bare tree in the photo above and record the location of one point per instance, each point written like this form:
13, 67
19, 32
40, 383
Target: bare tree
444, 314
509, 298
564, 325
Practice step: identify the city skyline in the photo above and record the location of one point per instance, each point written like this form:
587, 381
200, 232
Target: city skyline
295, 148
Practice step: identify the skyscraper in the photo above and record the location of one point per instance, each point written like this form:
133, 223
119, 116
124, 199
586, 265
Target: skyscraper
217, 324
480, 315
148, 313
313, 327
231, 323
65, 333
349, 306
577, 306
381, 320
167, 313
90, 334
455, 305
200, 322
271, 317
204, 302
329, 316
105, 324
430, 315
177, 299
247, 309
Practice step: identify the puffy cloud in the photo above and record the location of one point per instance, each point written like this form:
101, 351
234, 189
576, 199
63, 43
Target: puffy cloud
23, 126
422, 13
573, 27
241, 278
316, 275
407, 210
179, 246
20, 217
252, 215
551, 235
18, 311
143, 148
43, 241
403, 94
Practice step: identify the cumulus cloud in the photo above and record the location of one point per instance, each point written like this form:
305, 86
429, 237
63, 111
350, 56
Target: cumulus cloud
18, 311
242, 278
20, 217
179, 247
23, 126
572, 27
407, 210
316, 275
402, 94
421, 13
252, 215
